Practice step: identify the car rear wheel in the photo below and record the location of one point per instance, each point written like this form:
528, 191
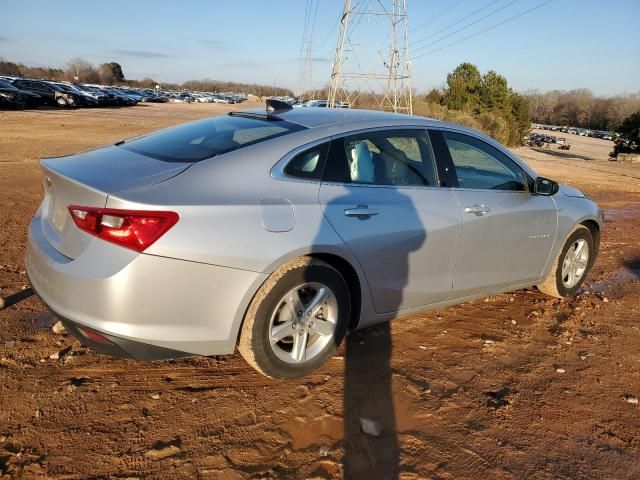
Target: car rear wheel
296, 320
571, 266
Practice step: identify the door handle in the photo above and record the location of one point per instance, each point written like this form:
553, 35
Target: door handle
477, 210
361, 211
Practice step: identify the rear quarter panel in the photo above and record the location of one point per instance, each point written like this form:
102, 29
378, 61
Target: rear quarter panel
221, 223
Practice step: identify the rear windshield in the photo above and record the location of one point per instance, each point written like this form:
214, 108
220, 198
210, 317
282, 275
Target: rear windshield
207, 138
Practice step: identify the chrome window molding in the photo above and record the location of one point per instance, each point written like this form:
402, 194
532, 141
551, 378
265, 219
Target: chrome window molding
277, 171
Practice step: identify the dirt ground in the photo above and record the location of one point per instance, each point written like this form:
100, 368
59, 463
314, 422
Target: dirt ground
514, 386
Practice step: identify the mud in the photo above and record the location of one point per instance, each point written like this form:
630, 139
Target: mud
472, 391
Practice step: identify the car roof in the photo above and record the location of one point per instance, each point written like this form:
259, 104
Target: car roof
320, 117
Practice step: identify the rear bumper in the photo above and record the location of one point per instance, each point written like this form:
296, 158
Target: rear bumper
133, 299
117, 346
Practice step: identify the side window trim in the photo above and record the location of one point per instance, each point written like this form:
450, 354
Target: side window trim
399, 128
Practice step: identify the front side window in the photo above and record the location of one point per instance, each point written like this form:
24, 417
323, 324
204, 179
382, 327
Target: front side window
208, 138
394, 157
479, 165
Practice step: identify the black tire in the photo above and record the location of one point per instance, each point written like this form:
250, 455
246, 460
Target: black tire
554, 284
254, 344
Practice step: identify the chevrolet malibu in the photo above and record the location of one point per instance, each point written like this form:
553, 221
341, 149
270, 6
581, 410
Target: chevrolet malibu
279, 230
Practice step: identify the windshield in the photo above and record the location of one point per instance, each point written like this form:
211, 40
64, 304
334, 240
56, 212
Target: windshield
207, 138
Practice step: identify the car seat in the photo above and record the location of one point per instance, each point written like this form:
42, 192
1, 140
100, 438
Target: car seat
361, 164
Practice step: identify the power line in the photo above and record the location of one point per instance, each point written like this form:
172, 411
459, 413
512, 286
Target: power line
493, 12
328, 36
447, 27
485, 30
438, 40
306, 18
305, 74
313, 24
432, 19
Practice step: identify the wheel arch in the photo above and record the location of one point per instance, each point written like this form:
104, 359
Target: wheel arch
339, 262
594, 228
353, 283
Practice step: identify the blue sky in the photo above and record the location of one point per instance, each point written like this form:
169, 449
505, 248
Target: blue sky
563, 45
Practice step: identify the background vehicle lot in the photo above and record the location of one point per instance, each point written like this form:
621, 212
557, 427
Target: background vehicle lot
472, 391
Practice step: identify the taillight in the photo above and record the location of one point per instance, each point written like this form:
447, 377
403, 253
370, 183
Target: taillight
133, 229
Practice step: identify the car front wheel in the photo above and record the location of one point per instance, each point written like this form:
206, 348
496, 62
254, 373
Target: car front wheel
571, 266
296, 320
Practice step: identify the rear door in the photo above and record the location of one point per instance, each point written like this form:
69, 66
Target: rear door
380, 193
507, 231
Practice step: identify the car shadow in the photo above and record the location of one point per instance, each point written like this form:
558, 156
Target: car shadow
17, 297
370, 441
633, 266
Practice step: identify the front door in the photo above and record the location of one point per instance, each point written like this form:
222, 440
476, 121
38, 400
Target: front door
380, 194
508, 232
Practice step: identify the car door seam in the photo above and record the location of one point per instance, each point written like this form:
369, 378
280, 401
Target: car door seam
555, 238
460, 243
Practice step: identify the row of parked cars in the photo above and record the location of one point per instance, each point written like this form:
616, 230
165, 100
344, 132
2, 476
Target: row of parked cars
314, 103
206, 97
20, 92
543, 139
582, 132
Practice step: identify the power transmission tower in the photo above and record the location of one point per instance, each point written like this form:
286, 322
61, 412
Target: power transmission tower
372, 56
306, 68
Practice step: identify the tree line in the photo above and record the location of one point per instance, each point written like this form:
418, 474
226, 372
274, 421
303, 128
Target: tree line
111, 73
581, 108
485, 102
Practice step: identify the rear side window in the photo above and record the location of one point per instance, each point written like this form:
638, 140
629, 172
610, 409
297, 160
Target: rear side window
207, 138
393, 157
308, 164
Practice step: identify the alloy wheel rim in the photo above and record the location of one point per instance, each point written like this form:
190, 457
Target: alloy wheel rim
303, 323
575, 263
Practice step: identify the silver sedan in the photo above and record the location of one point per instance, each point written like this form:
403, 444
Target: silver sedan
279, 230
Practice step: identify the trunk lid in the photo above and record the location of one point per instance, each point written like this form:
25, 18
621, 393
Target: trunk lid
88, 179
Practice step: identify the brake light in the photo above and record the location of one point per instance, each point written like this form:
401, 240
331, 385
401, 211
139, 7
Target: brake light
133, 229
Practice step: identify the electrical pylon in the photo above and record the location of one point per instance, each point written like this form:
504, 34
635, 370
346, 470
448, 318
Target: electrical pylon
305, 78
386, 76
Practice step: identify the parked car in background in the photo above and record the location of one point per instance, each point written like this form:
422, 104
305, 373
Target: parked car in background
99, 98
185, 241
50, 93
103, 98
220, 99
80, 98
316, 103
13, 97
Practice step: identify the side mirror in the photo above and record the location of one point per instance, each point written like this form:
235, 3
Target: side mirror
546, 187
